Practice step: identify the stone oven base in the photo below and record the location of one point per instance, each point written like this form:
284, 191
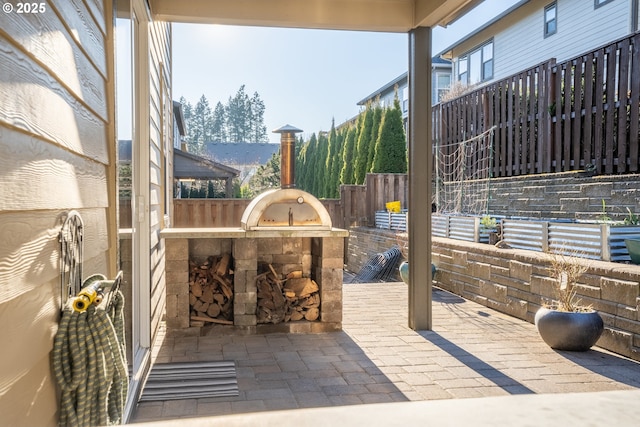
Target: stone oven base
318, 253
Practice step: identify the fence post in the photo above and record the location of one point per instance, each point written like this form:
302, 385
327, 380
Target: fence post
476, 229
448, 226
605, 250
546, 85
545, 236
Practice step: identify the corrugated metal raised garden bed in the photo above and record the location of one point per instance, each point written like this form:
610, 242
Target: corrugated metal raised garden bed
595, 240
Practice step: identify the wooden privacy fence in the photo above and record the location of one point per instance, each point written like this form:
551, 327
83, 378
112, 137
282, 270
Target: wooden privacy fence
208, 212
579, 114
356, 206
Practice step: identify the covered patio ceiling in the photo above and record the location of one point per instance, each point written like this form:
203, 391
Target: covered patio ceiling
365, 15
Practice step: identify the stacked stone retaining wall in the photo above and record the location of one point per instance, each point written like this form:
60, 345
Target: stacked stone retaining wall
570, 195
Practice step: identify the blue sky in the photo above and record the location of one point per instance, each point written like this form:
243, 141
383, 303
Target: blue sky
304, 77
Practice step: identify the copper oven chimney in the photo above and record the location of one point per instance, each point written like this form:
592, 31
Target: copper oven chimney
287, 155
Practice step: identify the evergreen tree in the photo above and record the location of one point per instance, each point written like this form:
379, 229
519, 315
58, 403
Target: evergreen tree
362, 146
200, 126
375, 128
219, 124
310, 165
331, 159
257, 128
391, 146
187, 112
320, 166
240, 120
300, 162
211, 192
193, 192
267, 176
348, 156
336, 167
238, 116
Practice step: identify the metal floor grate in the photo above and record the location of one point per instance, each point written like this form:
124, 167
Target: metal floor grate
380, 267
190, 380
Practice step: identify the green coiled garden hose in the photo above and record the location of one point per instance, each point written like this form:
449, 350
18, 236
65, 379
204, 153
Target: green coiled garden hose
89, 363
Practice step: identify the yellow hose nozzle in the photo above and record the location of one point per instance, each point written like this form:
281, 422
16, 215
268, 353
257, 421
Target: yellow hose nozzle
81, 303
87, 296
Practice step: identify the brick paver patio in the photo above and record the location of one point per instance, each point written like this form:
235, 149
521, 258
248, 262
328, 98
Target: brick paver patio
472, 351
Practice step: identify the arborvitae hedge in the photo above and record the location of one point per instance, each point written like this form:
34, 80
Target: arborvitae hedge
391, 146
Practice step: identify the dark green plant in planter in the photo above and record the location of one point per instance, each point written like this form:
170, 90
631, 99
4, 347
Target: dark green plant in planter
565, 324
633, 245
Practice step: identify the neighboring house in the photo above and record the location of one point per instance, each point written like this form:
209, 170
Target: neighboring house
58, 152
187, 167
440, 83
533, 31
179, 127
243, 156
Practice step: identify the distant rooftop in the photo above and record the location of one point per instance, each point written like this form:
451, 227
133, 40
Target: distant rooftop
242, 153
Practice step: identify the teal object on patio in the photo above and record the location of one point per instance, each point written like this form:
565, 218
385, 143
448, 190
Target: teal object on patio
633, 246
404, 271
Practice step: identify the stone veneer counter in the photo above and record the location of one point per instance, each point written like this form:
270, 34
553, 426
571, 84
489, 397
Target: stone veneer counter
318, 253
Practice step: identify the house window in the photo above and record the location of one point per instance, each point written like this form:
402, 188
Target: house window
443, 84
550, 20
405, 99
487, 61
477, 65
598, 3
463, 75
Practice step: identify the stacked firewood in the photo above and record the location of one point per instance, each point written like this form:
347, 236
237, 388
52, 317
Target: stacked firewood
284, 298
211, 290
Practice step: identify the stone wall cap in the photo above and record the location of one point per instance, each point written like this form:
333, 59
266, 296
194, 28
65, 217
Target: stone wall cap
239, 233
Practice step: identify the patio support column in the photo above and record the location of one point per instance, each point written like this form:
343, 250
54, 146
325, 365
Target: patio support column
420, 171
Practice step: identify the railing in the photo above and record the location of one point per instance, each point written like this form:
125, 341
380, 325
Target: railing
579, 114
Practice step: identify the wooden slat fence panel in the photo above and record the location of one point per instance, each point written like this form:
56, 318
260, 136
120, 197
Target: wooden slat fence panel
588, 108
598, 110
383, 188
634, 118
554, 117
622, 91
208, 212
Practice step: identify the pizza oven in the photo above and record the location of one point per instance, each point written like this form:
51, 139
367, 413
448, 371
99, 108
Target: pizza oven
286, 208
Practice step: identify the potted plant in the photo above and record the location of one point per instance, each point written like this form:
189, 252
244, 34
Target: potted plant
403, 268
565, 324
489, 225
403, 244
633, 245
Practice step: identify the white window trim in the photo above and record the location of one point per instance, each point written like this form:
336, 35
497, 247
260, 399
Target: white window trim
597, 4
548, 7
466, 56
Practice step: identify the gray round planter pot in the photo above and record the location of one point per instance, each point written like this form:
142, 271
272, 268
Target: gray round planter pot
571, 331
